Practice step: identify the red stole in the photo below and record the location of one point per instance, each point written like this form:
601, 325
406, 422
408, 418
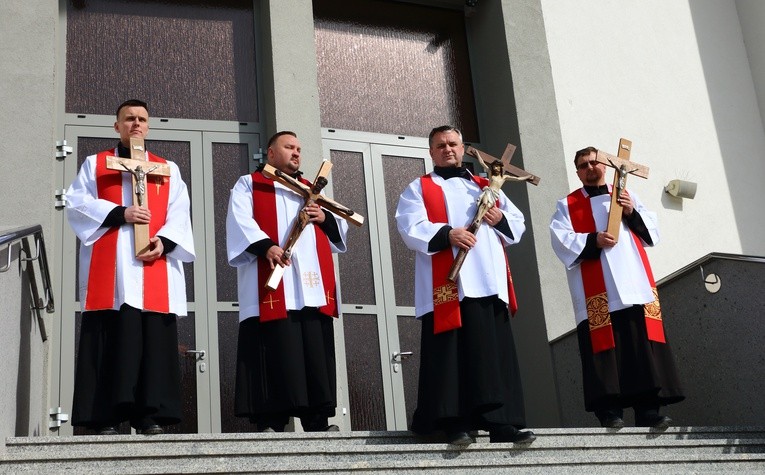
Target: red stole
272, 303
102, 276
598, 316
446, 305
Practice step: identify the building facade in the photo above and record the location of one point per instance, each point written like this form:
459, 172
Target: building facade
362, 82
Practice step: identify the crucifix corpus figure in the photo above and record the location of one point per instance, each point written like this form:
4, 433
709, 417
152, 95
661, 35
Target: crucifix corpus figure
135, 166
499, 171
622, 168
311, 194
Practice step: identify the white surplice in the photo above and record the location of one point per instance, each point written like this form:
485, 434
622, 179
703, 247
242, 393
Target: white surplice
483, 272
86, 212
623, 271
300, 290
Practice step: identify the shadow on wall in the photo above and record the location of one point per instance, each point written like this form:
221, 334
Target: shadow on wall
718, 340
734, 108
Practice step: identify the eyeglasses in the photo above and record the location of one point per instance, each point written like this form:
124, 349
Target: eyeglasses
585, 165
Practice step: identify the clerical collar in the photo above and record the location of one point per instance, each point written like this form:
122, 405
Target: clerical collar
596, 190
122, 151
452, 172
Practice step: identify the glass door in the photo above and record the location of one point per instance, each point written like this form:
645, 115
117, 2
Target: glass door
381, 335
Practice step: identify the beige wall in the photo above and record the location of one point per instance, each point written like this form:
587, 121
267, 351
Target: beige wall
673, 77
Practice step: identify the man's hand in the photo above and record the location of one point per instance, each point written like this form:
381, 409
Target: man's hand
154, 252
274, 256
626, 202
462, 238
493, 216
604, 240
137, 214
315, 213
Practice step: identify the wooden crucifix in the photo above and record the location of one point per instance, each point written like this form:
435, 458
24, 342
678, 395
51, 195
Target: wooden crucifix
622, 167
139, 167
311, 194
499, 171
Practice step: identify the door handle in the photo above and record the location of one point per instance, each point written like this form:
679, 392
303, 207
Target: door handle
199, 353
397, 357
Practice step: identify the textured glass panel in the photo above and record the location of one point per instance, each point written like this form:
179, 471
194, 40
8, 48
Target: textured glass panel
187, 363
365, 386
349, 189
228, 332
398, 173
178, 152
188, 59
230, 161
409, 329
393, 68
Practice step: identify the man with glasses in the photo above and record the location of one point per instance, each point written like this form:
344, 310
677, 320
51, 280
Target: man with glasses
626, 358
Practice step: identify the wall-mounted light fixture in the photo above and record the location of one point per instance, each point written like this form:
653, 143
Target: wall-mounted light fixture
681, 189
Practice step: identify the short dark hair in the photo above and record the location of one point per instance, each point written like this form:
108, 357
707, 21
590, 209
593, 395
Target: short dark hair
274, 137
442, 129
583, 152
132, 103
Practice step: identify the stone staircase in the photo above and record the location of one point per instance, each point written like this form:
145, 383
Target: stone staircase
584, 450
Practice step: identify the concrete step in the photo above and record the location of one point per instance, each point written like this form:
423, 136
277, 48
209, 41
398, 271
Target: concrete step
703, 448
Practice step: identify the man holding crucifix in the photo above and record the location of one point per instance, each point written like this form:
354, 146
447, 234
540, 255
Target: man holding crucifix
626, 358
469, 376
286, 352
131, 290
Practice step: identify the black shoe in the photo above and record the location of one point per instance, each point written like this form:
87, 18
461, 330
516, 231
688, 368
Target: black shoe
658, 422
458, 438
613, 422
332, 428
509, 433
151, 429
108, 430
267, 429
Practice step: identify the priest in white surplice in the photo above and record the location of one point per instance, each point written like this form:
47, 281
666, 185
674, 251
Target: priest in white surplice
127, 363
469, 377
626, 359
285, 352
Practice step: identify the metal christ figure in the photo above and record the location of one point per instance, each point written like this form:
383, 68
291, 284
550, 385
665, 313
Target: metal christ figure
140, 180
622, 172
486, 200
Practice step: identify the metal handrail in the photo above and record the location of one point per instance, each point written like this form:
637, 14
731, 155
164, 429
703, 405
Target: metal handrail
21, 235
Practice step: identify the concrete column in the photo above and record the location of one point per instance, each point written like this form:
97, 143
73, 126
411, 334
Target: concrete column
28, 97
290, 81
516, 103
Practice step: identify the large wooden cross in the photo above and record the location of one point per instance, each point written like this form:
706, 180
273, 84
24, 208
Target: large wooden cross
311, 194
507, 170
139, 167
622, 167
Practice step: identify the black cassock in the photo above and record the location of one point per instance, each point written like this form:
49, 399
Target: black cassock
286, 367
469, 377
637, 371
127, 369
